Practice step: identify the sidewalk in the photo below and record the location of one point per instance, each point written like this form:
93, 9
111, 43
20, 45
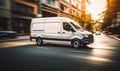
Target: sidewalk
117, 37
16, 39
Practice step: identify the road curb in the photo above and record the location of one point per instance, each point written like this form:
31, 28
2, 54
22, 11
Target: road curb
18, 38
10, 40
114, 37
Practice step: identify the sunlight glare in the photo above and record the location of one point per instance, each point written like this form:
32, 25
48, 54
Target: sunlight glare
96, 7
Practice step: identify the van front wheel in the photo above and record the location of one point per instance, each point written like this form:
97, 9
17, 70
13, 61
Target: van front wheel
39, 41
76, 43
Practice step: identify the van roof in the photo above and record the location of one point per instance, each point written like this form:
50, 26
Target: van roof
50, 18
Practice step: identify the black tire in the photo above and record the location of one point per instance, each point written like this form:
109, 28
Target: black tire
39, 41
76, 43
84, 45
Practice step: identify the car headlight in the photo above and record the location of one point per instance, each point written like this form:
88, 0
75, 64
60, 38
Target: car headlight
86, 35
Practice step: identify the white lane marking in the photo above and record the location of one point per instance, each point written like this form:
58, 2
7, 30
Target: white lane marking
43, 48
75, 51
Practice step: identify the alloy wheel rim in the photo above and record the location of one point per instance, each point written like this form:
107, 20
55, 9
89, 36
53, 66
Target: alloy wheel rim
76, 44
39, 41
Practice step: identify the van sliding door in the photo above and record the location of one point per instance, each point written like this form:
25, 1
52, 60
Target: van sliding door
53, 30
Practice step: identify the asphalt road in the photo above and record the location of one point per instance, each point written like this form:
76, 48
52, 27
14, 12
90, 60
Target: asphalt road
102, 55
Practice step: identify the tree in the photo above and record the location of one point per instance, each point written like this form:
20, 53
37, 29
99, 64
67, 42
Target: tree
113, 7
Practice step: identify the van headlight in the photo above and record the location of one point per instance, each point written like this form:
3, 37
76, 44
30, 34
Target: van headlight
86, 35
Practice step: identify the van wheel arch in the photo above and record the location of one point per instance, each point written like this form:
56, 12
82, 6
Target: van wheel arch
76, 43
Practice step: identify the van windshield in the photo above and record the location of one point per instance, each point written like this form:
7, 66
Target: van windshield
76, 25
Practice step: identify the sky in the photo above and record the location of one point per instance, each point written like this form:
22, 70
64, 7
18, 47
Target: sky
96, 7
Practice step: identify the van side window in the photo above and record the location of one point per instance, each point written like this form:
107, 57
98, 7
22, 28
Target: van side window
66, 26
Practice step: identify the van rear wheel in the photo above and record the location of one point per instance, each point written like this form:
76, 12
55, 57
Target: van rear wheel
39, 41
76, 43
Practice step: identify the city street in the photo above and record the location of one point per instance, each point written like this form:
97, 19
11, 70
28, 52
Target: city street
24, 55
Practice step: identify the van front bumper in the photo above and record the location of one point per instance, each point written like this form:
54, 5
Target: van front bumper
88, 40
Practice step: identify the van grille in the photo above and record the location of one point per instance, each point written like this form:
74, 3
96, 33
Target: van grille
90, 36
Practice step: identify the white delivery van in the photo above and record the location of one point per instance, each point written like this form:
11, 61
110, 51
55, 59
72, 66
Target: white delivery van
59, 29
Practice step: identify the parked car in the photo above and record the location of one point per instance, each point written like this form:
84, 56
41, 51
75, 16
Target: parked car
4, 34
98, 33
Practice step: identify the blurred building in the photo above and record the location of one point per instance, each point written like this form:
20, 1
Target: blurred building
71, 9
5, 13
22, 11
49, 8
16, 15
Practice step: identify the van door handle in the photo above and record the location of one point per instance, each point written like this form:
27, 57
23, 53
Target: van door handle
58, 32
63, 32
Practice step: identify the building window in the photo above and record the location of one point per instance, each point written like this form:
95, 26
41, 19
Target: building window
24, 8
64, 8
32, 1
74, 2
51, 2
73, 12
2, 2
67, 1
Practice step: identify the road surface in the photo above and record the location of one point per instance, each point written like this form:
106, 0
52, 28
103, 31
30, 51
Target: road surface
102, 55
